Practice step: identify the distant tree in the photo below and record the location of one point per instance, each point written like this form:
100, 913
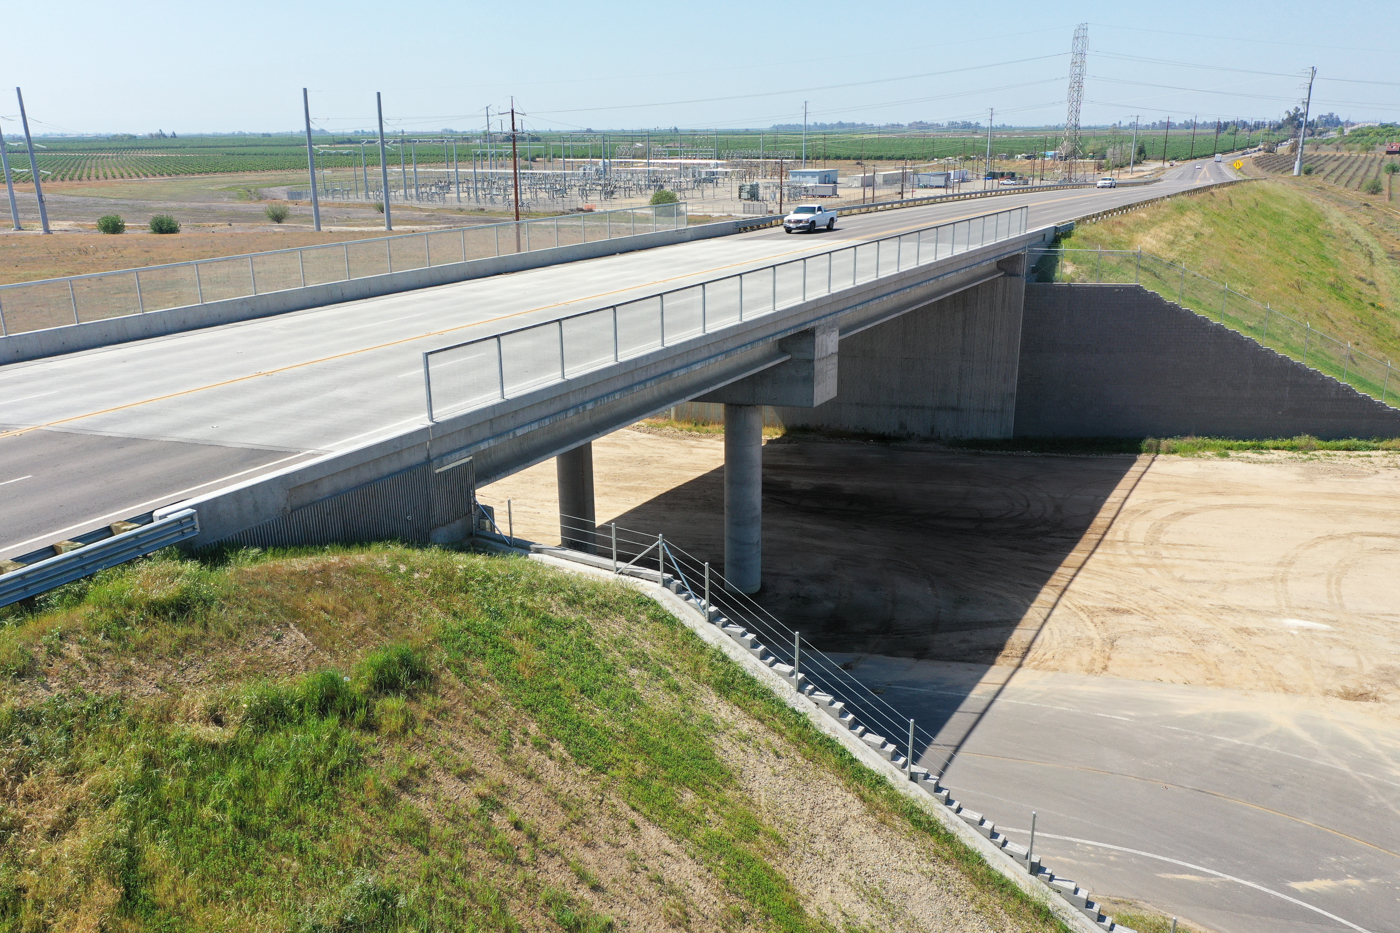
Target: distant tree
664, 197
1390, 169
276, 212
164, 223
112, 223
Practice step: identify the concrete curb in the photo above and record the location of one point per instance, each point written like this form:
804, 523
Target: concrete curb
1075, 906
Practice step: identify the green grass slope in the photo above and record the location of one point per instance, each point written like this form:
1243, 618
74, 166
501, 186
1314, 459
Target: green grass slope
1321, 255
386, 738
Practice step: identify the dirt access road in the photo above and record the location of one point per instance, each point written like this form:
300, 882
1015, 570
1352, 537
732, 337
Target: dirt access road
1188, 666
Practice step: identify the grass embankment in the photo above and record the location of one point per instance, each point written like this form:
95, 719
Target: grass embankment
394, 739
1328, 257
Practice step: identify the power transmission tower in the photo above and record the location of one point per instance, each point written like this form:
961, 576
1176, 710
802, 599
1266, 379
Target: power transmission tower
1303, 128
1076, 96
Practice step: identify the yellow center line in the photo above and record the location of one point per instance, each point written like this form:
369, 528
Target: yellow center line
449, 330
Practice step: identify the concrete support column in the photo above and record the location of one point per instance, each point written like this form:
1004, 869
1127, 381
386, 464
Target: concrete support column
576, 517
743, 497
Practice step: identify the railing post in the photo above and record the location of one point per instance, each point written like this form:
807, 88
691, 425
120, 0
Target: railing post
1346, 362
428, 386
1268, 309
1181, 299
198, 284
740, 277
1384, 387
388, 254
704, 317
617, 346
501, 366
510, 522
1098, 267
661, 314
253, 275
464, 244
1307, 339
345, 248
1224, 298
608, 227
614, 546
562, 374
1137, 274
707, 590
661, 554
140, 301
804, 278
427, 251
909, 761
775, 292
4, 332
301, 268
73, 300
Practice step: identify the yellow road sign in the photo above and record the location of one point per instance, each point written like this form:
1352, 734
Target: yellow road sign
1239, 164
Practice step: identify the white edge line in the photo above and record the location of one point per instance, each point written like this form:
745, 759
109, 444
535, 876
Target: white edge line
1201, 868
168, 496
16, 479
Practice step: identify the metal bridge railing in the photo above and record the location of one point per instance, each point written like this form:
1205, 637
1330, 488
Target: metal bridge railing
28, 306
484, 370
813, 672
1287, 335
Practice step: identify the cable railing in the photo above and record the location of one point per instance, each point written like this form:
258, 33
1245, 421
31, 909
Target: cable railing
77, 299
1280, 332
630, 552
485, 370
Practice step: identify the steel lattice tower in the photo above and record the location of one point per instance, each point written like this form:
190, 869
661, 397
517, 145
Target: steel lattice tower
1070, 149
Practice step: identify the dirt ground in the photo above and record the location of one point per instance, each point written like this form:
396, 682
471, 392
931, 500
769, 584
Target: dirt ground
1266, 572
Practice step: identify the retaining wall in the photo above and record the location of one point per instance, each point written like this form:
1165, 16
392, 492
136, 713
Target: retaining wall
1121, 361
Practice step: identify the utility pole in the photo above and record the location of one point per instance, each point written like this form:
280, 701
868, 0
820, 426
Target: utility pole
311, 163
804, 134
383, 163
9, 181
33, 164
988, 171
515, 166
780, 186
1193, 140
1215, 146
1165, 137
1133, 156
1297, 163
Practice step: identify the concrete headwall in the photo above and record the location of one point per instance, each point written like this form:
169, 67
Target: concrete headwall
945, 370
1121, 361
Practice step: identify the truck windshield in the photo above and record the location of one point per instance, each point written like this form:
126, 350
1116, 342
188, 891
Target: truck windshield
806, 210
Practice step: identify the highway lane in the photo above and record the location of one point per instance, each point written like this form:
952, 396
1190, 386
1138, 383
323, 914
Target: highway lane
1203, 802
330, 378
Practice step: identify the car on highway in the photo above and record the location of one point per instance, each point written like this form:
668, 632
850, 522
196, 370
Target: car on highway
809, 217
1198, 167
1107, 182
1218, 158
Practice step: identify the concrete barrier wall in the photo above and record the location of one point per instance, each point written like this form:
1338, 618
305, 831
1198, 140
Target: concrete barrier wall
1121, 361
55, 341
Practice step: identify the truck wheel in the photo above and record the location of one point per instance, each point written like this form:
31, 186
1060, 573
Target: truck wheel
831, 224
787, 229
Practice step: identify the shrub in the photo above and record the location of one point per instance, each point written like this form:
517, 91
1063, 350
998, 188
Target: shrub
277, 213
379, 206
1373, 186
1309, 169
664, 197
112, 223
164, 223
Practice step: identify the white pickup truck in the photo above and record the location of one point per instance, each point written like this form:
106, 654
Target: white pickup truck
809, 217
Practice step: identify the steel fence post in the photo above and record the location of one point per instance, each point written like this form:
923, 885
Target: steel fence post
704, 317
707, 592
1346, 362
740, 277
1224, 298
345, 248
301, 268
909, 761
1098, 267
1384, 387
1307, 339
73, 299
1181, 299
617, 345
253, 275
796, 658
614, 546
464, 244
198, 285
661, 315
388, 254
510, 522
562, 374
4, 332
661, 556
1268, 309
1137, 273
804, 279
1030, 849
775, 288
427, 251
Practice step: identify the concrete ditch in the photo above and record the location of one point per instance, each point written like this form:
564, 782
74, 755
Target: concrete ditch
1070, 903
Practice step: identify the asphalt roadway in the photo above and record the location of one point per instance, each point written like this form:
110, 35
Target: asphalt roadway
1246, 813
242, 397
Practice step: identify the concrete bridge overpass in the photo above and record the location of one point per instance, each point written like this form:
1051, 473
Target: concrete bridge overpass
311, 425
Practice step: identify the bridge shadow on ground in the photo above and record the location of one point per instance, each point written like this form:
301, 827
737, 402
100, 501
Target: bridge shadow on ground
907, 551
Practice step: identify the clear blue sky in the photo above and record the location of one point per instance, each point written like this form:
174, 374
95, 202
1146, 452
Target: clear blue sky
190, 67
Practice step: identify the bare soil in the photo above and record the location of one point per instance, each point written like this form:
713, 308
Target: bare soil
1272, 572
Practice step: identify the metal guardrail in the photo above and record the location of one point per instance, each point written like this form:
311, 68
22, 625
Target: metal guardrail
31, 579
487, 369
29, 306
1278, 331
